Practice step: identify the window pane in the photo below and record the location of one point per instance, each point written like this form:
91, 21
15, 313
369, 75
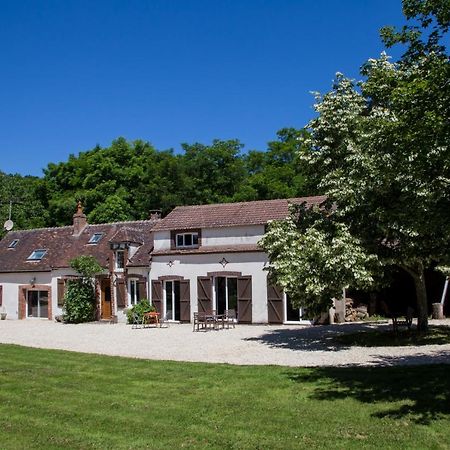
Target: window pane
179, 240
232, 293
188, 239
43, 304
195, 239
169, 290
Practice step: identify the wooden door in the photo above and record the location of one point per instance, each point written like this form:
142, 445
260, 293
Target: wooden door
185, 301
204, 294
106, 299
274, 304
244, 288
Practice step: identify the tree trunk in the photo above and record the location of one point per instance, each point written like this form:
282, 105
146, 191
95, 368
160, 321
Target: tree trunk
421, 297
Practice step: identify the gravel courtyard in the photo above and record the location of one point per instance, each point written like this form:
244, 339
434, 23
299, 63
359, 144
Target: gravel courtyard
243, 345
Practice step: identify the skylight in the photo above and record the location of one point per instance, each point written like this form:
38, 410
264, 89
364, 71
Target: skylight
37, 255
95, 238
13, 243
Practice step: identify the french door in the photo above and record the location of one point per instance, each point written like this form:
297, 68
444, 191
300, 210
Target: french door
37, 304
172, 300
226, 294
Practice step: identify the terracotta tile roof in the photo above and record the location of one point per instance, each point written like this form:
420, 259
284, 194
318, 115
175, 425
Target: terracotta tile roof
210, 249
62, 245
230, 214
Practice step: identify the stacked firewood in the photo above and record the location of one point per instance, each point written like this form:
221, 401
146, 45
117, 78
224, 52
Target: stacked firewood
354, 313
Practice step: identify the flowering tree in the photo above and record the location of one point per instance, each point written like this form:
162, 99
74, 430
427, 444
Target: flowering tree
380, 150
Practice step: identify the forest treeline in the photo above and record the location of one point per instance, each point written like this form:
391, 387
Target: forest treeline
127, 180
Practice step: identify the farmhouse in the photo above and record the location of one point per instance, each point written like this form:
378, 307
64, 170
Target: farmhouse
196, 258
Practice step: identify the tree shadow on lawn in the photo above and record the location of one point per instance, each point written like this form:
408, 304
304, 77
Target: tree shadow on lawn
316, 338
420, 392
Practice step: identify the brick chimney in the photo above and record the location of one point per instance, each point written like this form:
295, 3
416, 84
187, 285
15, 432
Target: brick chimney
79, 220
155, 214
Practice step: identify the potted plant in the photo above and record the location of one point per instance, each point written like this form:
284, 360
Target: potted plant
3, 313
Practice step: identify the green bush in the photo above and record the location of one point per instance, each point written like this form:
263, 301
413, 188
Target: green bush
79, 301
140, 309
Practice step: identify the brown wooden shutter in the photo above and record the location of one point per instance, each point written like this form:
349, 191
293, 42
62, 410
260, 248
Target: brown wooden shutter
185, 301
121, 294
1, 295
142, 288
274, 304
61, 291
204, 294
244, 288
157, 295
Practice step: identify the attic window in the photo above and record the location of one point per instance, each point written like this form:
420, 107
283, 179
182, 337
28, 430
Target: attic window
187, 240
95, 238
37, 255
13, 243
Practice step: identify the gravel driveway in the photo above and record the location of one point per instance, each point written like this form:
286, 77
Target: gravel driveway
245, 344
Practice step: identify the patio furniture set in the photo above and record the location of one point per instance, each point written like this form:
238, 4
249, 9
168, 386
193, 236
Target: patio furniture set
211, 320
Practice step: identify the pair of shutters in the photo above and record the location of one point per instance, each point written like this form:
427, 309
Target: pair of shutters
244, 297
121, 291
185, 298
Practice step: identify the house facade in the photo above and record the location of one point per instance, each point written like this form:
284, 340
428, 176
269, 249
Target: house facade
197, 258
35, 266
207, 258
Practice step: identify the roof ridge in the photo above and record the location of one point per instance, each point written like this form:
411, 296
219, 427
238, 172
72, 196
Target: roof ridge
249, 201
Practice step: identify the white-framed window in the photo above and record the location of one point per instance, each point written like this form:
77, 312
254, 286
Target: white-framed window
37, 304
133, 291
186, 239
37, 255
13, 243
119, 260
95, 238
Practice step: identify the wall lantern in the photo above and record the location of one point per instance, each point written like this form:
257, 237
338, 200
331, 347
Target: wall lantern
33, 281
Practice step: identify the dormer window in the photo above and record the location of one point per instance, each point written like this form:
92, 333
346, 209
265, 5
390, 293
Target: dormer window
95, 238
120, 260
37, 255
186, 240
13, 243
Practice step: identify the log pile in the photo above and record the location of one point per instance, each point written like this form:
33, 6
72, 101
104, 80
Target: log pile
354, 313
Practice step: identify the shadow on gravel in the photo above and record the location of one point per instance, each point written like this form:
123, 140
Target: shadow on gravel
420, 393
313, 338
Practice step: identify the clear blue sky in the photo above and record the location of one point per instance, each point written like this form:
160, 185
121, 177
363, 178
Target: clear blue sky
74, 74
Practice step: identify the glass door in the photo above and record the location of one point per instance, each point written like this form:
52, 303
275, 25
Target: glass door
172, 300
226, 294
37, 304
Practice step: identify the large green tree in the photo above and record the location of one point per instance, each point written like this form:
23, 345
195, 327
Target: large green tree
380, 150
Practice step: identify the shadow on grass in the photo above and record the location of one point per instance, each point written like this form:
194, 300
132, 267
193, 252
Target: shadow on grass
422, 392
323, 338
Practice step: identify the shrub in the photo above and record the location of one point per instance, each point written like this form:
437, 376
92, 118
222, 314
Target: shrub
139, 309
79, 301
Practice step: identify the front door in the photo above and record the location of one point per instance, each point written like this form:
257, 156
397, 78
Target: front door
105, 288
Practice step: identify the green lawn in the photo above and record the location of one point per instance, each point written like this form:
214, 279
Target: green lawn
54, 399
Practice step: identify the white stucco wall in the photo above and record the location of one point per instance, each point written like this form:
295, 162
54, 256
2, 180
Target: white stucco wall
250, 234
193, 266
11, 283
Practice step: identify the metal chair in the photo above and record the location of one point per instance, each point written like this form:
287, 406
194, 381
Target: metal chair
230, 317
136, 321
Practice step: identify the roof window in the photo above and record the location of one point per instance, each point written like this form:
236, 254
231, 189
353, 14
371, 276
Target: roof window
37, 255
13, 243
95, 238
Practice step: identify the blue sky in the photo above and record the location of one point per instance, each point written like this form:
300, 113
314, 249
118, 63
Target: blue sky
79, 73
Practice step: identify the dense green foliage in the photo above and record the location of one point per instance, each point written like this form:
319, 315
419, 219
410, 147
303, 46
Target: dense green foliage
53, 399
80, 297
127, 180
380, 150
137, 311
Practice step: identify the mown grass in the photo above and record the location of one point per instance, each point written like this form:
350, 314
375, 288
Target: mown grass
437, 335
53, 399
